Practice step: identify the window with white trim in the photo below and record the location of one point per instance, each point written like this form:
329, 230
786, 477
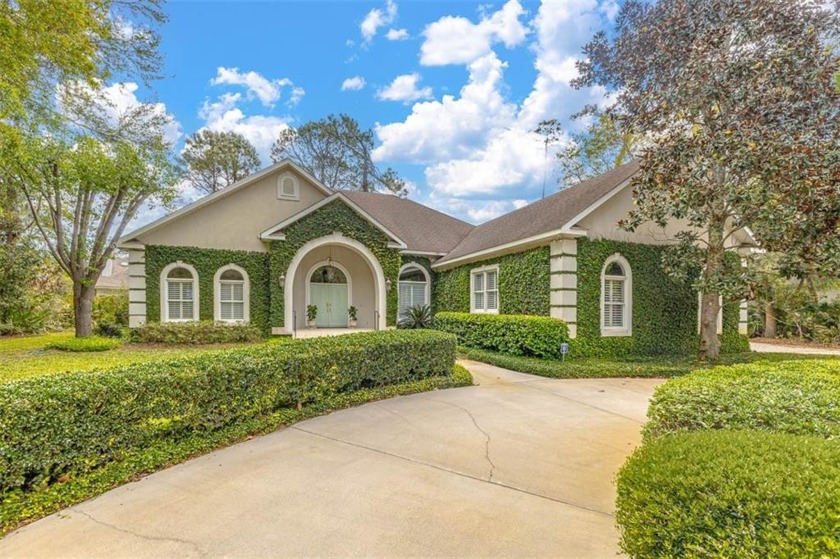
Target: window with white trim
616, 297
288, 187
232, 292
180, 295
413, 288
484, 295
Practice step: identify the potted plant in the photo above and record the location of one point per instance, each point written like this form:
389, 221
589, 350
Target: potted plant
311, 315
352, 312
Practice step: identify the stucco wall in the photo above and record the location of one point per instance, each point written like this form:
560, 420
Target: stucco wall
235, 222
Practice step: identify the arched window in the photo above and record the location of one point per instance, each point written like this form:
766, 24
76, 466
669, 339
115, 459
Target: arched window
287, 187
414, 287
616, 297
328, 274
232, 291
179, 293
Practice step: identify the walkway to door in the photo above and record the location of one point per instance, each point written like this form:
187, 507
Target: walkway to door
518, 466
320, 332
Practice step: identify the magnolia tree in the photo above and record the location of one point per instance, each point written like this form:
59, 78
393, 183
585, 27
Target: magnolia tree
737, 114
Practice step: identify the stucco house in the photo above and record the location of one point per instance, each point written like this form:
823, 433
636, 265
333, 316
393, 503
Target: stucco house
264, 248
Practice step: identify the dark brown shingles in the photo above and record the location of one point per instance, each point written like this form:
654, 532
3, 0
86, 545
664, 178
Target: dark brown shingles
420, 227
540, 217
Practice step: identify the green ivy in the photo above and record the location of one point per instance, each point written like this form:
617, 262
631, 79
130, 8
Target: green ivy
336, 216
524, 284
207, 262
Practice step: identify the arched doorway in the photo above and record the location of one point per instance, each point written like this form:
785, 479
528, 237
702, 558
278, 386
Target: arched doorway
329, 289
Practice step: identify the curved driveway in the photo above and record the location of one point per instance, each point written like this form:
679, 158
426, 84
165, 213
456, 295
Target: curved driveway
516, 466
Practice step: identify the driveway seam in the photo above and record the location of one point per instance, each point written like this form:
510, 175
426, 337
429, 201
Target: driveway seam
455, 472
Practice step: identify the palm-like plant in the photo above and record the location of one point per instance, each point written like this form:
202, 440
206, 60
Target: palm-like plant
415, 317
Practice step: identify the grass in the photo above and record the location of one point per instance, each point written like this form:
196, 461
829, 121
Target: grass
648, 367
18, 509
22, 357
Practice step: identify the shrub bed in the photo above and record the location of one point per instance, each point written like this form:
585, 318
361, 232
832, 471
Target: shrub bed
514, 334
53, 428
204, 332
90, 343
800, 397
742, 494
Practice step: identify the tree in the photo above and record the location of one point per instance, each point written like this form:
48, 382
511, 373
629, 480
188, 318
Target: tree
216, 160
601, 146
336, 151
739, 115
82, 192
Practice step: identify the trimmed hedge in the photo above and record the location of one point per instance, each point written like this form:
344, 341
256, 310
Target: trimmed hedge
743, 494
81, 345
204, 332
801, 397
536, 336
53, 428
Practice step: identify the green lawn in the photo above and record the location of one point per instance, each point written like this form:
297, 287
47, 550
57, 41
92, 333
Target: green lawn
644, 367
22, 357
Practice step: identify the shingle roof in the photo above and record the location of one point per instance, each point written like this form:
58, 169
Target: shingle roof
546, 215
420, 227
114, 276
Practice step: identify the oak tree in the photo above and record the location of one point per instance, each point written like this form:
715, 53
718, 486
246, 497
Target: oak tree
218, 159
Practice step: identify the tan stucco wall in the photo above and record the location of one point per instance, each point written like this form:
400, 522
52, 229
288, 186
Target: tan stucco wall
236, 221
362, 297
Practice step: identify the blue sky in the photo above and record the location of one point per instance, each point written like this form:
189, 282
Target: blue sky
452, 90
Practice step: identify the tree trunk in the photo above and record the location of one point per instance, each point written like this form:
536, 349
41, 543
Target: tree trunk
709, 342
83, 308
769, 320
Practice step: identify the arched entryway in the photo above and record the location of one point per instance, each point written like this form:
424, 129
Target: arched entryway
329, 287
365, 284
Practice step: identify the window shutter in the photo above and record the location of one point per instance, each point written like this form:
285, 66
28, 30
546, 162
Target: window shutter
491, 281
238, 310
187, 310
479, 301
173, 290
479, 282
225, 292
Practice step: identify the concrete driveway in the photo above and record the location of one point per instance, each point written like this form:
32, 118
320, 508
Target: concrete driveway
517, 466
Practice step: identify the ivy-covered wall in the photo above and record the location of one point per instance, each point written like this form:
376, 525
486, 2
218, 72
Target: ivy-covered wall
206, 262
524, 284
334, 217
664, 310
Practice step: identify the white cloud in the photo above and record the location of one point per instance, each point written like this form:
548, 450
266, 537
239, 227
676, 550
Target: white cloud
457, 40
474, 210
355, 83
267, 91
452, 127
224, 115
297, 95
377, 18
397, 34
404, 88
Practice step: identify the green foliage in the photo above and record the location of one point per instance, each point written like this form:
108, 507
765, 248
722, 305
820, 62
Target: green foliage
352, 313
416, 317
207, 262
194, 333
524, 284
512, 334
336, 216
112, 309
90, 343
218, 159
664, 310
336, 151
311, 312
54, 427
739, 494
799, 397
19, 507
109, 330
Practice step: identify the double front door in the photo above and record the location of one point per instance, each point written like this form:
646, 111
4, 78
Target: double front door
331, 300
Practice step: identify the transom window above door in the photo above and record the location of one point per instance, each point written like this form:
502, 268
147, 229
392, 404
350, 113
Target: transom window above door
328, 274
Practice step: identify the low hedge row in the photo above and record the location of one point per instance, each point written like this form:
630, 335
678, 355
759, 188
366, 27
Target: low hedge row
53, 427
745, 494
204, 332
800, 397
87, 344
514, 334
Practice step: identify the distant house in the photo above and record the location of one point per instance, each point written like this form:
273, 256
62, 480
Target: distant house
264, 248
114, 277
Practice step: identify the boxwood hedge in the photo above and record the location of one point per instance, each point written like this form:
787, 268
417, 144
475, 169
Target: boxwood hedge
792, 396
53, 427
513, 334
746, 494
204, 332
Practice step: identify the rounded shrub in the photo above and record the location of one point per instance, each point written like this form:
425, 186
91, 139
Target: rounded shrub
744, 494
801, 397
514, 334
90, 343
